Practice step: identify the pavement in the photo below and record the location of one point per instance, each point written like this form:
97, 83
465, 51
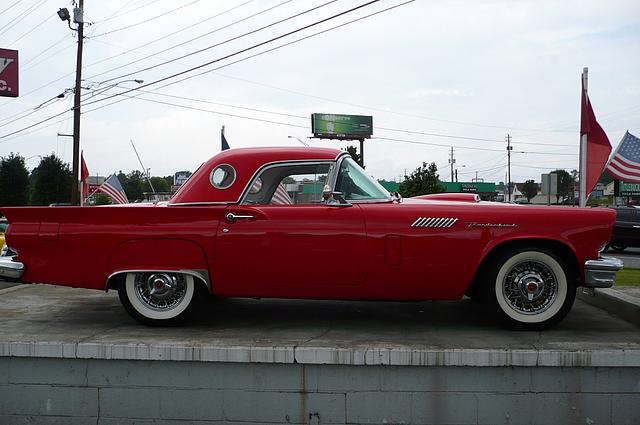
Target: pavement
630, 256
52, 321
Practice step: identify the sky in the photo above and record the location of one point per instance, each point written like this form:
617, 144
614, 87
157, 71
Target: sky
433, 74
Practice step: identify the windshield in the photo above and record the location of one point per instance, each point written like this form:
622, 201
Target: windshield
355, 185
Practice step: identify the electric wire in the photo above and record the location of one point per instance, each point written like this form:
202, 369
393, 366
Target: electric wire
30, 31
251, 48
146, 20
10, 7
105, 59
115, 14
450, 136
24, 14
191, 40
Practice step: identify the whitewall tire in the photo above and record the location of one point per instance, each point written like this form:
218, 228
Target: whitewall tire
158, 298
531, 289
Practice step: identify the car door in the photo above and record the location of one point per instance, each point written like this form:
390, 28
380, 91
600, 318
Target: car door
283, 241
626, 230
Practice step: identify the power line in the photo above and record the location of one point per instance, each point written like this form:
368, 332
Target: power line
459, 147
193, 39
115, 15
31, 30
10, 6
450, 136
249, 48
108, 58
146, 20
4, 136
24, 14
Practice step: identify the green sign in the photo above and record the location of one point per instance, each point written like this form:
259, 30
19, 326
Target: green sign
628, 189
469, 187
346, 127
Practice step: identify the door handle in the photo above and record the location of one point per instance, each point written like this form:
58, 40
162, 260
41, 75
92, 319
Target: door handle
231, 217
635, 226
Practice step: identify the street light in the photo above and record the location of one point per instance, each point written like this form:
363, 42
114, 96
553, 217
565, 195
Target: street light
298, 139
110, 86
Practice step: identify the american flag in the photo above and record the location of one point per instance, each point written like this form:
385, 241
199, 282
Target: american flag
113, 188
625, 162
280, 197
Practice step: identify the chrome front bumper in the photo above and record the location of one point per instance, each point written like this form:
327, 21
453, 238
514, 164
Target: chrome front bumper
601, 273
10, 269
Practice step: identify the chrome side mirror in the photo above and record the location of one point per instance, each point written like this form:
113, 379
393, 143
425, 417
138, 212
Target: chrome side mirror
334, 199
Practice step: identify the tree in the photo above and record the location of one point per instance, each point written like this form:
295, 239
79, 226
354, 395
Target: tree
102, 199
159, 185
422, 181
132, 184
14, 181
530, 189
566, 184
353, 151
52, 182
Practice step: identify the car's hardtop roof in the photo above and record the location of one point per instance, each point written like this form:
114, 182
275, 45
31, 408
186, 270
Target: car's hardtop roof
245, 162
271, 154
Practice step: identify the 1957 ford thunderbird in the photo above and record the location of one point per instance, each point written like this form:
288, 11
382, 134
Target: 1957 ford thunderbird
272, 222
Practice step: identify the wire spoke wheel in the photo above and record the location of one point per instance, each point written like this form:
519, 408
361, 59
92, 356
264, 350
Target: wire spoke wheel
531, 289
160, 291
158, 298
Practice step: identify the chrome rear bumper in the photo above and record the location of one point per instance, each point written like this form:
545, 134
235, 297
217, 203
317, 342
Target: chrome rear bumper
601, 273
11, 269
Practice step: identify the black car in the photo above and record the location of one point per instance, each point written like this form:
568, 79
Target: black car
626, 230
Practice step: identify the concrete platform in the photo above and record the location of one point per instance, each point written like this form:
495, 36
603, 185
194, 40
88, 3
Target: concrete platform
72, 356
49, 321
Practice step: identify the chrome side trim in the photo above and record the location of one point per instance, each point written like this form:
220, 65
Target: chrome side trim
245, 191
195, 204
10, 268
435, 222
601, 273
203, 275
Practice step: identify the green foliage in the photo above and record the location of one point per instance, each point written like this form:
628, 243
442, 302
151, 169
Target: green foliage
353, 151
566, 183
530, 189
52, 182
628, 277
422, 181
132, 184
159, 184
102, 199
14, 181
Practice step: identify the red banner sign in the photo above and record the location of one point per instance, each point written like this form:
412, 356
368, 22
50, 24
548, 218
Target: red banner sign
8, 73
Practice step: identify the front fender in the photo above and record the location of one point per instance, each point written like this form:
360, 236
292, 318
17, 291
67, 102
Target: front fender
159, 255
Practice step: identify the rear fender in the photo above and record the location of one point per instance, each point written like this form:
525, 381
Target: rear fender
167, 255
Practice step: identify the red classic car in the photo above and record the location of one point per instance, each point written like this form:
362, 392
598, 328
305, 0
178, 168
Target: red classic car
310, 223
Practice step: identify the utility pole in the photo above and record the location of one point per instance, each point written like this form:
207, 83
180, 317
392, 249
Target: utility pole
452, 161
78, 18
509, 149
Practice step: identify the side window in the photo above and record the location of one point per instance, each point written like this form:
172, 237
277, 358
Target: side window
625, 214
289, 185
355, 185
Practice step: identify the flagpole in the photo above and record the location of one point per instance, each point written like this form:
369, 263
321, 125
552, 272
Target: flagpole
583, 145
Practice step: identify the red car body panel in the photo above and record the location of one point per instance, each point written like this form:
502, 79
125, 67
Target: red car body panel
364, 251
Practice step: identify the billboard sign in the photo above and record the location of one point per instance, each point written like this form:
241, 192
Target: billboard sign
344, 127
8, 73
626, 189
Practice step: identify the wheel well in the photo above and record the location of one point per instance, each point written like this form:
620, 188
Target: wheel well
560, 249
116, 280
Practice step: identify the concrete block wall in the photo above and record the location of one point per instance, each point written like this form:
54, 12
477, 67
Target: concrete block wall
126, 392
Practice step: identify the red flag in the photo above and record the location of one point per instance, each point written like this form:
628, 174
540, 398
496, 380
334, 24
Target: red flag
598, 146
84, 173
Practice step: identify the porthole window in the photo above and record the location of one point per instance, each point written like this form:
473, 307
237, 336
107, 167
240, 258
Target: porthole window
223, 176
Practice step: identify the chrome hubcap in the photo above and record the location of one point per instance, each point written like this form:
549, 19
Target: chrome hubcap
160, 291
530, 287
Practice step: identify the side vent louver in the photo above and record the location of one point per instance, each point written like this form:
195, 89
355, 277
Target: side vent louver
443, 222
